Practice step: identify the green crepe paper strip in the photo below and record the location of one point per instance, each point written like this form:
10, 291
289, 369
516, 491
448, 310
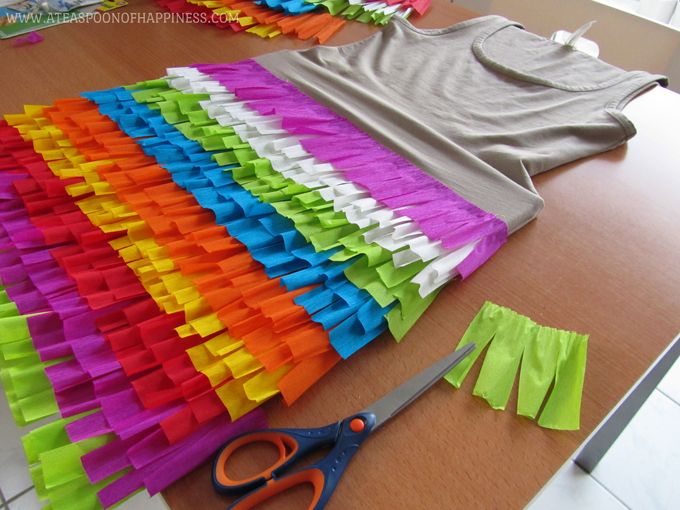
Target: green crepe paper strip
480, 331
503, 357
29, 392
312, 215
563, 409
54, 461
56, 468
545, 357
539, 364
353, 12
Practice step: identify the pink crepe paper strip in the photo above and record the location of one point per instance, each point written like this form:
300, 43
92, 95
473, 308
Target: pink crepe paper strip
32, 38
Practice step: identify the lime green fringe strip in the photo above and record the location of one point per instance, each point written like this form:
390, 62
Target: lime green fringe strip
546, 358
53, 460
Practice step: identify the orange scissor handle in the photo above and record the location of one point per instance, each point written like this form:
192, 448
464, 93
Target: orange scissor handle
276, 486
287, 447
343, 438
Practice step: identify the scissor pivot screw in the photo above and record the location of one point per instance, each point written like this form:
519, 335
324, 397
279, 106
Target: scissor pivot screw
357, 425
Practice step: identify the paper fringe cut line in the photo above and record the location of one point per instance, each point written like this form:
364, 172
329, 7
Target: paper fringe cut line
303, 19
177, 252
546, 358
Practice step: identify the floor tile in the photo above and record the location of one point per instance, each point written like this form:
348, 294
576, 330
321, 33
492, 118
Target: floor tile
670, 385
141, 501
28, 501
643, 466
14, 476
2, 500
573, 488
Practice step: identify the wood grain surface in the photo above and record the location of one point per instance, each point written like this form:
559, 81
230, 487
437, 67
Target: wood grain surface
602, 258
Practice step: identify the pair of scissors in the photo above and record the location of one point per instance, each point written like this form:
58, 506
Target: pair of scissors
344, 438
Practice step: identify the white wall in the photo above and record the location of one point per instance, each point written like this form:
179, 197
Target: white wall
625, 40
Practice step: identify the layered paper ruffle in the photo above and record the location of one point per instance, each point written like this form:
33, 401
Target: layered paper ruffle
304, 19
177, 252
53, 359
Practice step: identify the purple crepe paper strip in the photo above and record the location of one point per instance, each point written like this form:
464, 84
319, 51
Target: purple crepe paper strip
108, 459
32, 38
88, 426
126, 415
351, 151
146, 419
66, 374
76, 400
94, 355
190, 457
180, 458
147, 450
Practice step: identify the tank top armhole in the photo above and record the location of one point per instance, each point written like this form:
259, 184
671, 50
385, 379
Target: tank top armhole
615, 107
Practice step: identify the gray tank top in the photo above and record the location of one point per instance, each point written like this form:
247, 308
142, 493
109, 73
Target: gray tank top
482, 106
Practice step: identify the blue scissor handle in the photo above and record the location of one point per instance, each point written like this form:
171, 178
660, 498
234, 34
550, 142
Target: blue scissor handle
343, 437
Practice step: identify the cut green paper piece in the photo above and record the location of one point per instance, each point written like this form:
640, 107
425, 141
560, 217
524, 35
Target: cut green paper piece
563, 409
7, 309
13, 328
480, 331
539, 365
502, 360
544, 356
47, 437
56, 468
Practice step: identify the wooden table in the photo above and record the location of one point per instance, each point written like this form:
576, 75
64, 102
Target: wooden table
603, 258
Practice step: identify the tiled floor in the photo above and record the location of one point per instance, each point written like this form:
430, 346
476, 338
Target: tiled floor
640, 471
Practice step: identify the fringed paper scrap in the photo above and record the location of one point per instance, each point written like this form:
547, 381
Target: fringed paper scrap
551, 365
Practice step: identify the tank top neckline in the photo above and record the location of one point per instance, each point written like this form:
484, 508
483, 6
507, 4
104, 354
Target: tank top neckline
481, 53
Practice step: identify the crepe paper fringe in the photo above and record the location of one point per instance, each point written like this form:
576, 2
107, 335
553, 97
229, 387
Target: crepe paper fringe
339, 337
314, 217
235, 361
388, 231
375, 12
345, 299
314, 301
440, 213
285, 254
546, 358
154, 336
298, 18
90, 386
168, 270
56, 473
258, 20
406, 244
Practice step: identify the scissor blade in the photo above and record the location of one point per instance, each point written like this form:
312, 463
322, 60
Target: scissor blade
407, 392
